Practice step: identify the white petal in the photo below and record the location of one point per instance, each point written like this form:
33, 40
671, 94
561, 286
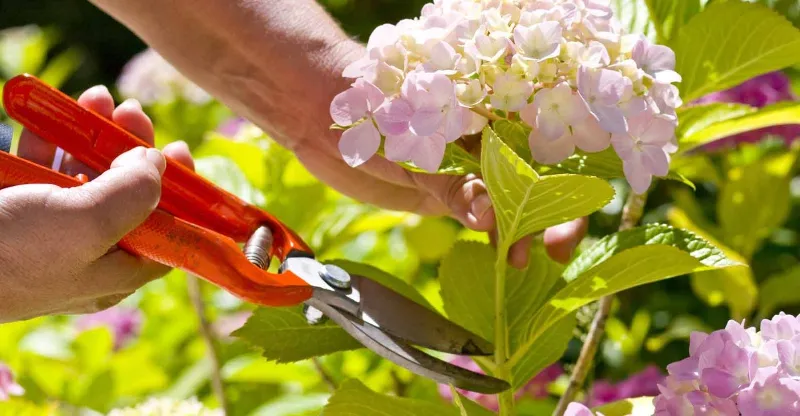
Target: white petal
476, 123
610, 118
359, 143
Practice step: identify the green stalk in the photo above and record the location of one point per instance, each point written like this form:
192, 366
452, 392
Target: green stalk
506, 398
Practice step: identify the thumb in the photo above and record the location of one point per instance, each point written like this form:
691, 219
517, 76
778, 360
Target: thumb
119, 200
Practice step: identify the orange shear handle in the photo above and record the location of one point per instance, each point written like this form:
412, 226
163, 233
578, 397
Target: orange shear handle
179, 244
97, 141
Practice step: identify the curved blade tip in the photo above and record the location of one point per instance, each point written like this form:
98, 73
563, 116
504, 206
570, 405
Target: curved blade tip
6, 136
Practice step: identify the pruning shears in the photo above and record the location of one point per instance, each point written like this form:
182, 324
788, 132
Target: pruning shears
198, 227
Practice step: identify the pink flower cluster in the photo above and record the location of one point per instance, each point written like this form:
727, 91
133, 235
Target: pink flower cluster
537, 387
565, 66
737, 371
642, 384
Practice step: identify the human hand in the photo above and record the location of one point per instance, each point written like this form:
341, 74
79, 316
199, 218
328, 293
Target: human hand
58, 246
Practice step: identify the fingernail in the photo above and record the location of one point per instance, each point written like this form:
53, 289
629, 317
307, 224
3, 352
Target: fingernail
99, 90
155, 157
133, 103
481, 205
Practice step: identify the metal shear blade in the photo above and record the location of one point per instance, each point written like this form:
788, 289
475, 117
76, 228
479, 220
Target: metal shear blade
387, 322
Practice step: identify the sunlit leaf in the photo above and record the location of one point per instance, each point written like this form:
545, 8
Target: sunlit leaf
250, 158
680, 327
696, 118
226, 174
779, 291
607, 268
284, 335
735, 286
524, 202
730, 42
754, 201
721, 126
467, 277
353, 398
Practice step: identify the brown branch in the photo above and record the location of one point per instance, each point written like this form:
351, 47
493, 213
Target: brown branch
207, 333
631, 214
486, 113
326, 377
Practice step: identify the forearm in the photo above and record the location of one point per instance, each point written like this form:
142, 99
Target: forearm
276, 62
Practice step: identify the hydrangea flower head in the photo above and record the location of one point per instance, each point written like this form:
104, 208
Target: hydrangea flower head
167, 407
737, 371
564, 67
150, 79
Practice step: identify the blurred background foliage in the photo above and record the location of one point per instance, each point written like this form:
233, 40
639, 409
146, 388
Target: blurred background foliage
747, 198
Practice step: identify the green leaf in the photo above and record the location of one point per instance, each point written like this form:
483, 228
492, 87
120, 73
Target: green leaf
227, 175
16, 406
724, 126
634, 17
456, 161
680, 327
754, 201
467, 407
432, 237
656, 252
731, 42
669, 16
779, 291
515, 135
525, 203
695, 118
467, 280
353, 398
284, 335
546, 350
639, 406
250, 158
735, 286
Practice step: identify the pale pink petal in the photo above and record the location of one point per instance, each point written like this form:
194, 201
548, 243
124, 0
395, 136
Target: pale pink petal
359, 68
393, 116
574, 110
655, 160
624, 145
636, 175
550, 125
349, 106
659, 58
383, 35
667, 77
529, 113
476, 123
398, 148
610, 86
719, 383
374, 95
658, 132
577, 409
590, 137
549, 152
426, 121
359, 143
611, 119
455, 122
429, 152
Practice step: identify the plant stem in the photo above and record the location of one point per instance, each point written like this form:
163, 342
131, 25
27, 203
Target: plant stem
326, 377
207, 333
631, 214
486, 113
506, 398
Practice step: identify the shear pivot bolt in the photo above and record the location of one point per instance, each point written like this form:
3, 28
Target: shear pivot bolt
335, 276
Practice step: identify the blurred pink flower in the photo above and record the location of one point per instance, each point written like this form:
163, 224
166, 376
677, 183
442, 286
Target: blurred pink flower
535, 389
759, 91
150, 79
8, 387
644, 383
124, 323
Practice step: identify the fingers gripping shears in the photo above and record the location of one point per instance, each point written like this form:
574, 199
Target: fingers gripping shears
198, 227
